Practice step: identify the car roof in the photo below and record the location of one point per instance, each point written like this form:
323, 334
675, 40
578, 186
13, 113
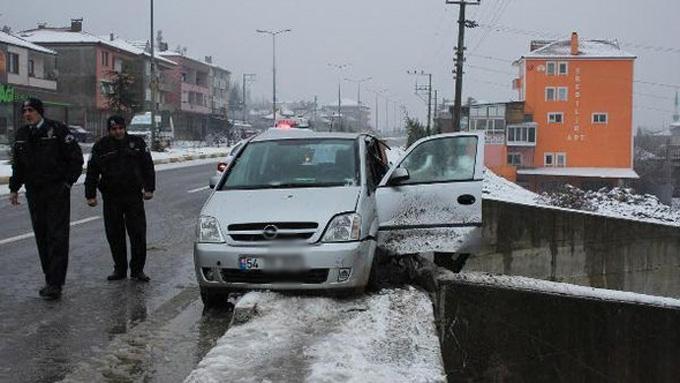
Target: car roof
294, 133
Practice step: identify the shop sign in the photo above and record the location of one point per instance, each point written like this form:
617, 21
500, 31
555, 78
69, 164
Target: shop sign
7, 94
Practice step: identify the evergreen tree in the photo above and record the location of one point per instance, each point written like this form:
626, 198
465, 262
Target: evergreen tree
415, 131
122, 95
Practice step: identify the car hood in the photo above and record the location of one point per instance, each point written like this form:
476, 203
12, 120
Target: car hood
281, 205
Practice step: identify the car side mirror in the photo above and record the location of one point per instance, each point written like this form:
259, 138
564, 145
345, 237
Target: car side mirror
213, 181
399, 175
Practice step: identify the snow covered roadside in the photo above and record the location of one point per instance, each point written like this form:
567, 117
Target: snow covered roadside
557, 288
385, 337
171, 159
616, 203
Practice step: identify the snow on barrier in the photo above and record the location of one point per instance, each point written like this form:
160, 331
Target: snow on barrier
389, 336
505, 328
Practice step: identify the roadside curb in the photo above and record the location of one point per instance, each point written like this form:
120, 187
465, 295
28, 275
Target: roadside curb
185, 157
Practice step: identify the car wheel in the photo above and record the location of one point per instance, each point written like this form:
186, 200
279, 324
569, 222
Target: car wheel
214, 299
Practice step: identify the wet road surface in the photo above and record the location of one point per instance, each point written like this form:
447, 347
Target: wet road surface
100, 330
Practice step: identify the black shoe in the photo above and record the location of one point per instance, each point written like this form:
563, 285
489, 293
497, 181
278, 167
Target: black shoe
116, 276
42, 291
140, 277
50, 293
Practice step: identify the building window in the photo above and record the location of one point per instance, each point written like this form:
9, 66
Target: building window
521, 135
562, 93
561, 160
548, 160
555, 118
599, 118
106, 87
105, 59
14, 63
550, 68
118, 65
515, 159
562, 68
31, 68
550, 94
183, 76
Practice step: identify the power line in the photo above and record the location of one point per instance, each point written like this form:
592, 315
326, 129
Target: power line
491, 69
501, 9
551, 35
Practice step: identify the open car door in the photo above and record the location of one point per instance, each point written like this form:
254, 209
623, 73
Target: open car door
432, 199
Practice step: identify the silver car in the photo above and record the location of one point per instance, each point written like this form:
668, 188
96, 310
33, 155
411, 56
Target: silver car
299, 210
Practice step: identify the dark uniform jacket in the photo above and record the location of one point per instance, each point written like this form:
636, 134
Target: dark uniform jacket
44, 156
122, 167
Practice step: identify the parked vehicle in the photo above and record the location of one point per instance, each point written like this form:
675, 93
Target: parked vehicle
306, 211
222, 165
81, 135
140, 125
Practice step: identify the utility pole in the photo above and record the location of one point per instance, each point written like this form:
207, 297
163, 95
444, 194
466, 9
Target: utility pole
155, 129
436, 93
338, 67
359, 113
428, 89
460, 56
377, 129
273, 35
246, 77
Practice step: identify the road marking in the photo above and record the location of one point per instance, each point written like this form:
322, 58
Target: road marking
31, 235
197, 189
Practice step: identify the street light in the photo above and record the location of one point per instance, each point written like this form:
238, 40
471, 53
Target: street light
358, 82
338, 67
273, 35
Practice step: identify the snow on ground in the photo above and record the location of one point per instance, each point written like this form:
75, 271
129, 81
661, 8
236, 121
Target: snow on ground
548, 287
385, 337
616, 202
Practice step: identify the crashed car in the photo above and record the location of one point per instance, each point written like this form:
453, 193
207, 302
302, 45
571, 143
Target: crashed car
299, 210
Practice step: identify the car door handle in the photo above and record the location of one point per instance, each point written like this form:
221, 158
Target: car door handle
466, 199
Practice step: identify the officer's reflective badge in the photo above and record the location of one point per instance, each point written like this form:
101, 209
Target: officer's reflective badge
50, 133
69, 138
132, 145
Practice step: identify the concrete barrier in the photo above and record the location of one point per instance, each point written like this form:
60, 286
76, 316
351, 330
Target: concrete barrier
510, 329
580, 248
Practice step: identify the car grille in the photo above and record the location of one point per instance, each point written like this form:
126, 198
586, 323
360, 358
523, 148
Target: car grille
313, 276
262, 231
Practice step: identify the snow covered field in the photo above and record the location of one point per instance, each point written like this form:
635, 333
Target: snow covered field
384, 337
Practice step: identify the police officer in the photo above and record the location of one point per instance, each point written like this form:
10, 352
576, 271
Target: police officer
121, 167
47, 160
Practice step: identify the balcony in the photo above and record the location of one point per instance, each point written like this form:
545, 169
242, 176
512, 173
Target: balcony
42, 83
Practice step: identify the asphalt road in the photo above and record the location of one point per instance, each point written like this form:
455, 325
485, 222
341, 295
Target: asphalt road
101, 330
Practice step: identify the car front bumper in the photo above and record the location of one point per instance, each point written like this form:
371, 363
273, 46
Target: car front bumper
223, 262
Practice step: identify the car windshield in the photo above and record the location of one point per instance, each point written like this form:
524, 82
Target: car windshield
295, 163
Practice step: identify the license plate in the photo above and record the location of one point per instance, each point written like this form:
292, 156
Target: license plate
251, 263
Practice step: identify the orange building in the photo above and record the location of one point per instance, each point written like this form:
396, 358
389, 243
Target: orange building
579, 94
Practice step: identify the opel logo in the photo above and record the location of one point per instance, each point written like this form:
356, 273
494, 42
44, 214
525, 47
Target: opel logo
270, 232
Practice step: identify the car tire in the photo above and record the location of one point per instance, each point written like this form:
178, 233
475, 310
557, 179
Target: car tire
214, 299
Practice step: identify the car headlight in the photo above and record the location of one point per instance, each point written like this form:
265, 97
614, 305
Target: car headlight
344, 227
208, 230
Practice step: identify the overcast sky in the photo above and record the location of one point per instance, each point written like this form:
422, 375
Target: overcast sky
383, 39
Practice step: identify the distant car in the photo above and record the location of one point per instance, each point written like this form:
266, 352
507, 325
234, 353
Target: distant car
299, 210
81, 134
222, 165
